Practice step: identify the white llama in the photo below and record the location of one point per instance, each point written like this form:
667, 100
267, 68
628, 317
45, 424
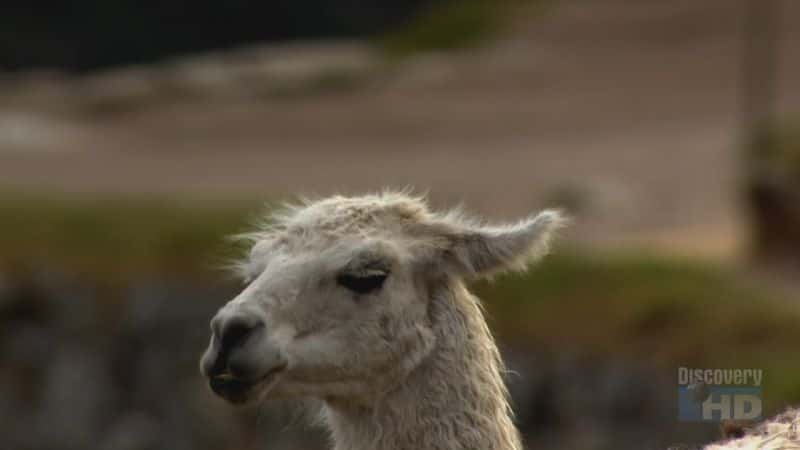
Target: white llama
360, 302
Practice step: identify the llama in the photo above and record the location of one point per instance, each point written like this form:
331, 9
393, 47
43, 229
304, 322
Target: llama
361, 303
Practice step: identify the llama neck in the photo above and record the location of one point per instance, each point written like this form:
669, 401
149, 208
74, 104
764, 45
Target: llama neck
454, 400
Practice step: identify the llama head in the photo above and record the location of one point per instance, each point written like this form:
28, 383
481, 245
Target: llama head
336, 302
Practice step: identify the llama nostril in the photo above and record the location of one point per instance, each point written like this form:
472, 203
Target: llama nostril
237, 329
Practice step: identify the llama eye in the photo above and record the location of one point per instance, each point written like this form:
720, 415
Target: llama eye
362, 284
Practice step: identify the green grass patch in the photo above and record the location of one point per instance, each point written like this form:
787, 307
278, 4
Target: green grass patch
118, 236
452, 25
669, 312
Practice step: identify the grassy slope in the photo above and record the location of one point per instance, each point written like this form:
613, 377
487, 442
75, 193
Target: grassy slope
118, 236
666, 311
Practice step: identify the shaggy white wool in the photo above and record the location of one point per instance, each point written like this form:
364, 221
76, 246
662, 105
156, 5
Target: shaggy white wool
779, 433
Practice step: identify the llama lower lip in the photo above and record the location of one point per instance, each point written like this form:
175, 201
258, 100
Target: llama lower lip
237, 390
231, 389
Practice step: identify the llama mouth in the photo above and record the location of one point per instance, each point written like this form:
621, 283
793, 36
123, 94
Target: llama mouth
238, 390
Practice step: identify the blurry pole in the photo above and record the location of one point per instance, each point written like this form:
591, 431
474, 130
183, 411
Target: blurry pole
760, 61
770, 198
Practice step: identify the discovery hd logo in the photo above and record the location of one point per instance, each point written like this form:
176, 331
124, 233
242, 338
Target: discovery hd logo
714, 395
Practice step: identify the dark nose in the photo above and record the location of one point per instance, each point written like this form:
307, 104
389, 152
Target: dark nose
230, 332
233, 331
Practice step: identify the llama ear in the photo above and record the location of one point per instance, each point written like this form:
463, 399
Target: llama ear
477, 251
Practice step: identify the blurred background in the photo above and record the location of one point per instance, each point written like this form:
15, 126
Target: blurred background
135, 137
